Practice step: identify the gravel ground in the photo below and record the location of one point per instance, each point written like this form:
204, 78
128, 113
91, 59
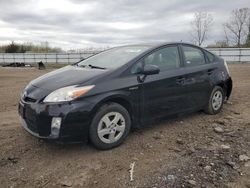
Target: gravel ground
197, 150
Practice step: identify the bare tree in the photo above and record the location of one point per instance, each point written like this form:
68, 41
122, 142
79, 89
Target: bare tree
226, 35
200, 27
248, 28
236, 25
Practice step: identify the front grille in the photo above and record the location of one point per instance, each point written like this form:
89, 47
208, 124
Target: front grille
37, 122
28, 99
32, 126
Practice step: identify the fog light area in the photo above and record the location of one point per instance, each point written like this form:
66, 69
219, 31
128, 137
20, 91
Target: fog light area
55, 126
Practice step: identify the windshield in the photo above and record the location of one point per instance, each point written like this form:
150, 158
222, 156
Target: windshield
114, 57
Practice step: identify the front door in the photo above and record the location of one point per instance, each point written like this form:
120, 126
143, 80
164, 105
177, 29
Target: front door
164, 93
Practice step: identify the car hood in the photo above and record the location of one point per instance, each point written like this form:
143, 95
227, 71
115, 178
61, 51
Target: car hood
66, 76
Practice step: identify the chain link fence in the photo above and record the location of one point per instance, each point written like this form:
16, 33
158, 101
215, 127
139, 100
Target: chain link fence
47, 58
233, 55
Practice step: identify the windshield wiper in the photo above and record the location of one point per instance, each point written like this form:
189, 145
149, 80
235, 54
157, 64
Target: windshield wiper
96, 67
91, 66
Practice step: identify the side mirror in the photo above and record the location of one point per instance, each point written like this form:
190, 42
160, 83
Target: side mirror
150, 70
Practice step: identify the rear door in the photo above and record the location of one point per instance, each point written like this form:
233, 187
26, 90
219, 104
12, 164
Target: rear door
197, 72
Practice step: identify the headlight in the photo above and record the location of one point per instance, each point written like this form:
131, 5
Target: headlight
67, 93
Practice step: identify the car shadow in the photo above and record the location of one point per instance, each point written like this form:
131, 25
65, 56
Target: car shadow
86, 147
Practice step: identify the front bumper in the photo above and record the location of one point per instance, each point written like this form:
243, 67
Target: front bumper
229, 87
36, 118
25, 126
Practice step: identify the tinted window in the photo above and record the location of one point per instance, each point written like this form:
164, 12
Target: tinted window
137, 68
166, 58
114, 57
193, 56
209, 56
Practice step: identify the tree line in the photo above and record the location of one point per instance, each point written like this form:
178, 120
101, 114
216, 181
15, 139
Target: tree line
236, 29
28, 47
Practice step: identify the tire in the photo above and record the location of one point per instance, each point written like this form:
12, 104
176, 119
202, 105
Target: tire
211, 107
106, 131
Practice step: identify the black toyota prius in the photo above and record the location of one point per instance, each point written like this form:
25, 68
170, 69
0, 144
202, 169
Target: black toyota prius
102, 97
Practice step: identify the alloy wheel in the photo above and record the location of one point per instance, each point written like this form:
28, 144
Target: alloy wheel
111, 127
217, 100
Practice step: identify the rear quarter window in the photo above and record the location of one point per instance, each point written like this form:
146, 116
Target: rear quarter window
210, 57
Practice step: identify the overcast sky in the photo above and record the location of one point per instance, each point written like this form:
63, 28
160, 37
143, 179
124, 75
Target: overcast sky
71, 24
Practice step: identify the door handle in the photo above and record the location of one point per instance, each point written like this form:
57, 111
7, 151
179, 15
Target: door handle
210, 71
180, 80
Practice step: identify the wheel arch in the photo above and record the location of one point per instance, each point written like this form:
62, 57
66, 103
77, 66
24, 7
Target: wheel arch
116, 98
227, 87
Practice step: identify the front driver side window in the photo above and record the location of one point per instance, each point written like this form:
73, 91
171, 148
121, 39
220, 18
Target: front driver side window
165, 58
137, 68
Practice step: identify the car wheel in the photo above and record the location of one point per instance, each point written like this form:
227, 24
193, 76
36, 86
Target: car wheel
110, 126
215, 102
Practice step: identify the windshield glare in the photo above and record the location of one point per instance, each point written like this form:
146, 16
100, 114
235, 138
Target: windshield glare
114, 57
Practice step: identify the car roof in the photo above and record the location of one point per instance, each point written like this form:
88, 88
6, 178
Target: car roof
156, 45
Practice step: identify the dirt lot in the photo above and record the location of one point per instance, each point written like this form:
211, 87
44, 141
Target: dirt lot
193, 151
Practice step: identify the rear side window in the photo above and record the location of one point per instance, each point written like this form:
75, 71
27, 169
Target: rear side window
209, 56
193, 56
165, 58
